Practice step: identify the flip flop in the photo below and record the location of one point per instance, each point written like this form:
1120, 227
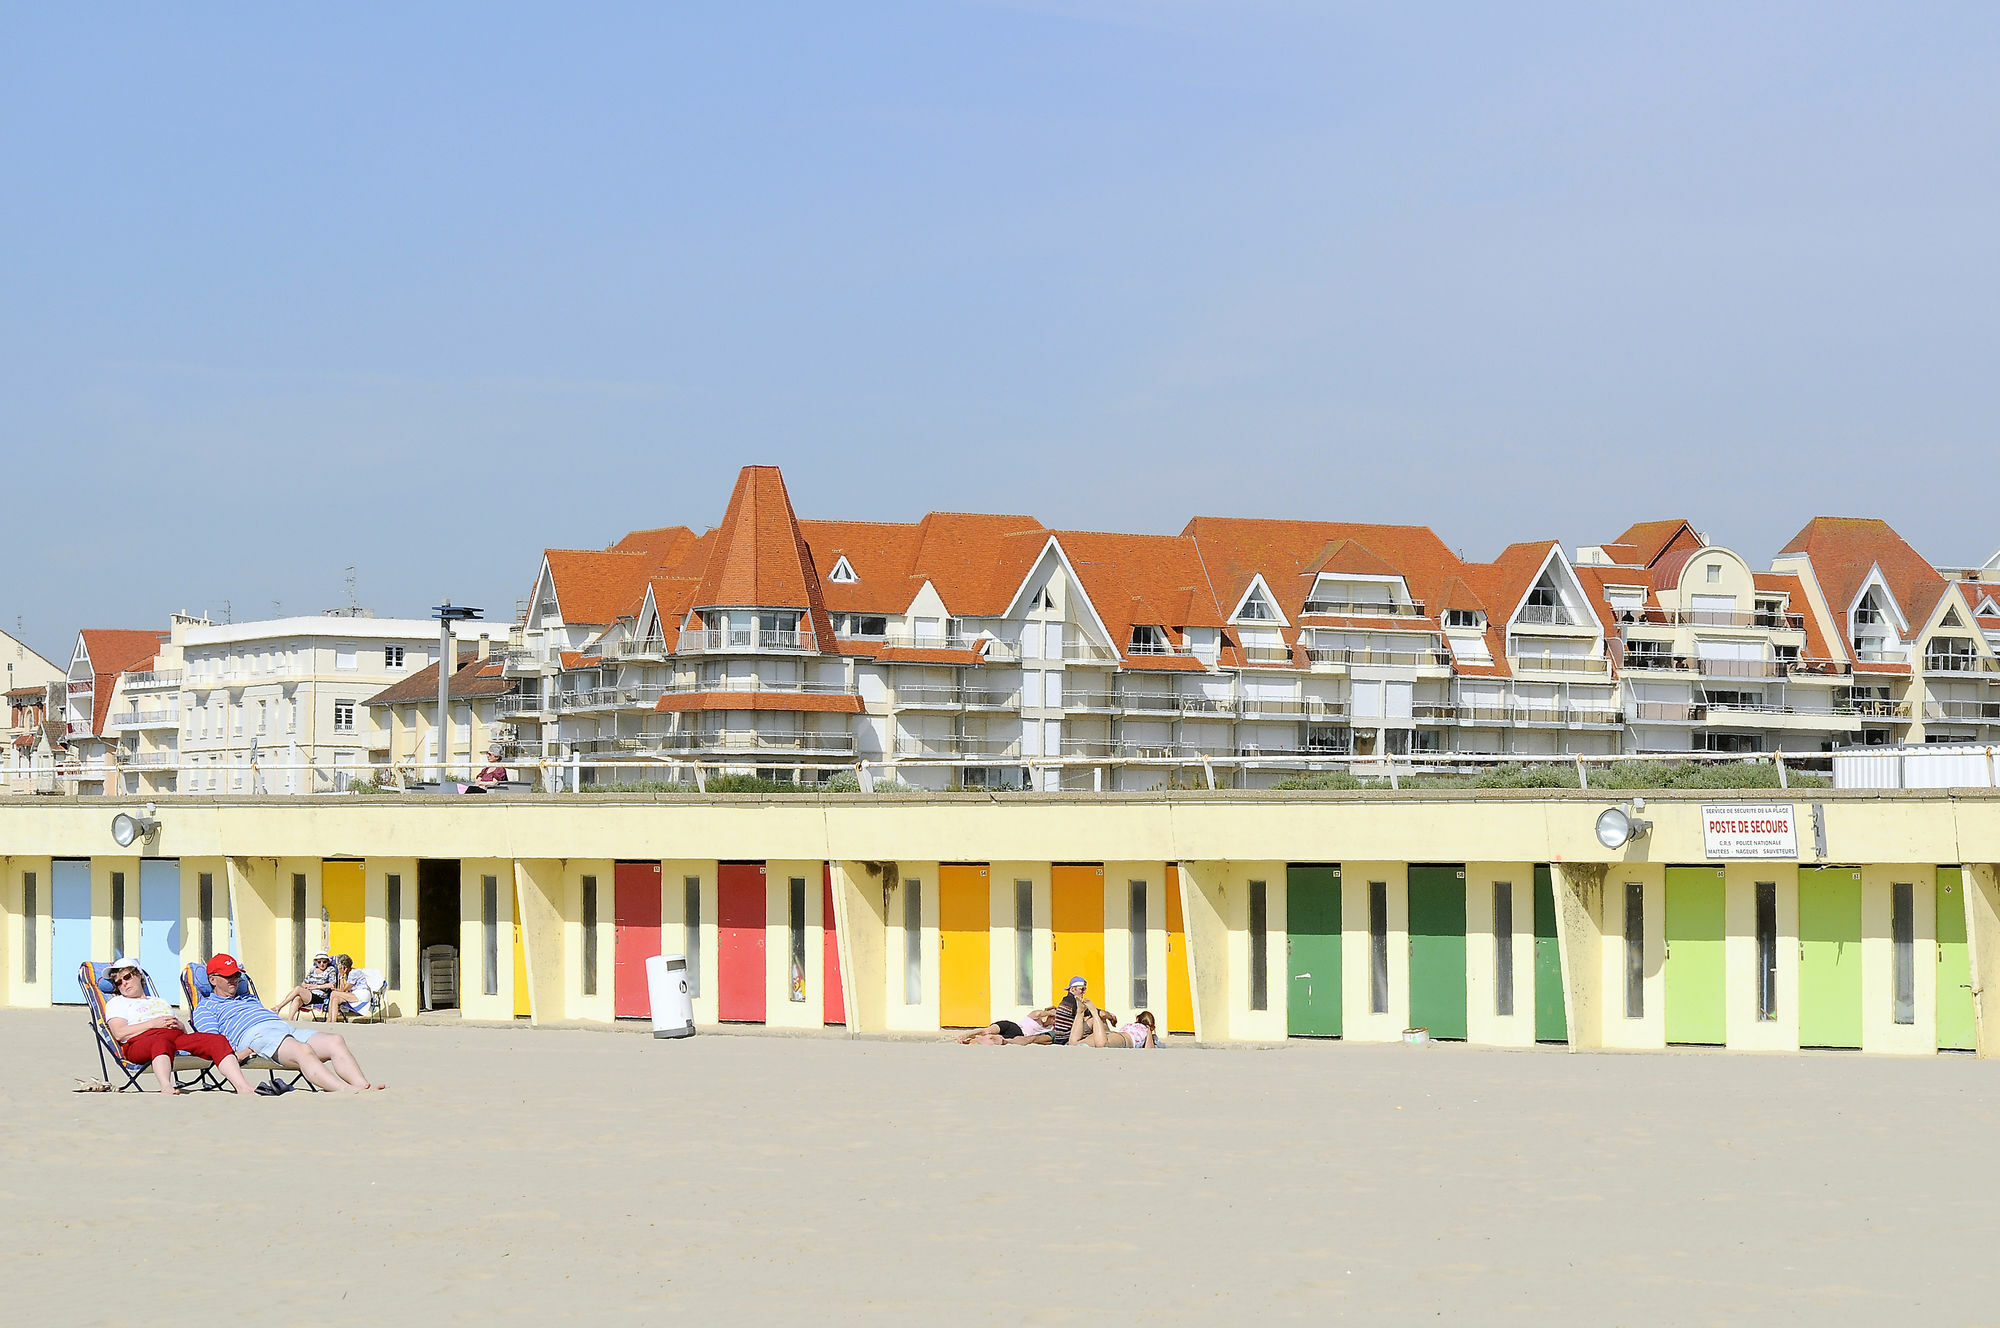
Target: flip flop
271, 1088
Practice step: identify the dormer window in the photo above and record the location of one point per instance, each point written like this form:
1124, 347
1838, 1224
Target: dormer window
1465, 618
843, 573
1148, 641
1042, 600
1257, 609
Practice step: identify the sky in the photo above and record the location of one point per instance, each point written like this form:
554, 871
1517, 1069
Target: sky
421, 290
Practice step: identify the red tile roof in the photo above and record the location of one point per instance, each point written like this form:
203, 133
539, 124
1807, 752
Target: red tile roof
759, 557
112, 651
1650, 541
595, 588
475, 678
1842, 549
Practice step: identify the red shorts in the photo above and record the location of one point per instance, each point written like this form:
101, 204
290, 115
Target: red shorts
166, 1041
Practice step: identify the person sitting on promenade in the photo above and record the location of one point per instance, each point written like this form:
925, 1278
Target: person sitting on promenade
1062, 1018
323, 1058
350, 992
310, 995
490, 776
147, 1030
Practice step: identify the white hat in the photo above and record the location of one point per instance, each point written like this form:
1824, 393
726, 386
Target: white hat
322, 954
111, 969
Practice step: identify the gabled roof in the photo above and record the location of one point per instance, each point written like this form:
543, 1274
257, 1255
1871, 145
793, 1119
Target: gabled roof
760, 557
1349, 556
1649, 541
112, 651
474, 678
1141, 581
1236, 548
665, 543
595, 587
1843, 550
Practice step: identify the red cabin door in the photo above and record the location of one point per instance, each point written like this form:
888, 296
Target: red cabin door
635, 913
739, 941
836, 1003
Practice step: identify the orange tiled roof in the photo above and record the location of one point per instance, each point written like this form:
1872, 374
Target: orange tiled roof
1818, 646
475, 677
595, 587
112, 651
1142, 581
1843, 548
760, 557
1649, 541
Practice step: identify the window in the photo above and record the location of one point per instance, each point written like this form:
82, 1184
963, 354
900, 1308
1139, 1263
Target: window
117, 913
393, 906
1148, 641
1378, 947
1713, 573
299, 925
206, 894
1260, 959
1767, 951
1024, 942
1136, 928
1503, 948
392, 657
691, 916
489, 929
1043, 600
263, 717
31, 927
913, 942
1461, 618
589, 903
346, 658
1902, 929
343, 718
843, 572
797, 920
1635, 950
1257, 609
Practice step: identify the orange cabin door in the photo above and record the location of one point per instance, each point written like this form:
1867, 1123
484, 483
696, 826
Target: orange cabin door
965, 950
1076, 908
1180, 1003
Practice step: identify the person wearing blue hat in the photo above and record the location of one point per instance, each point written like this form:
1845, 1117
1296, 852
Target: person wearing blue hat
1064, 1025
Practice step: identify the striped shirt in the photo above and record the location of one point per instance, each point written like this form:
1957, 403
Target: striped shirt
235, 1018
1062, 1019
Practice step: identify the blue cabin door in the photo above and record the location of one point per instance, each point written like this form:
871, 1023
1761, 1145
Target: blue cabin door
160, 925
69, 911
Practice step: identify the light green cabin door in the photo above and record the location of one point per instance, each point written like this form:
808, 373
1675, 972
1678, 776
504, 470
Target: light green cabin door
1954, 971
1551, 1019
1437, 950
1694, 965
1312, 951
1829, 957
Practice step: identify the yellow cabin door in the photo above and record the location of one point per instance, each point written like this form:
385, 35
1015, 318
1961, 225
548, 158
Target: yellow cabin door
965, 952
521, 1007
1076, 907
343, 897
1180, 1003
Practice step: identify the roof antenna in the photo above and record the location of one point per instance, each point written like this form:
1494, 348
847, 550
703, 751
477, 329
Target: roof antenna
352, 602
226, 616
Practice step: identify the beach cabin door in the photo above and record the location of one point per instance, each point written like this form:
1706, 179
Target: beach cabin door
160, 927
1312, 951
740, 979
343, 897
1437, 949
833, 994
1954, 971
965, 951
1076, 907
1551, 1020
635, 911
1694, 959
69, 912
1829, 957
1180, 1001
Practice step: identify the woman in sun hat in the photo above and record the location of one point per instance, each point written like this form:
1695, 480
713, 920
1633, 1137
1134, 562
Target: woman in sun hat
147, 1030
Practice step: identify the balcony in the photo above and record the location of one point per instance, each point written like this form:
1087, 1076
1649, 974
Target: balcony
753, 640
1087, 702
1560, 663
1349, 608
1407, 659
519, 704
1960, 664
1267, 654
1546, 615
1088, 652
147, 719
648, 651
1667, 712
730, 741
1806, 667
1979, 712
148, 760
1869, 707
152, 680
994, 650
954, 747
1648, 662
1769, 620
639, 696
1743, 668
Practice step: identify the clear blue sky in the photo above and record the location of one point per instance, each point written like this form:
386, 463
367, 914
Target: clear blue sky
425, 288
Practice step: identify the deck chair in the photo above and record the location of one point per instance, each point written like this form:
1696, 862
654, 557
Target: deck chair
440, 977
189, 1071
194, 986
377, 1002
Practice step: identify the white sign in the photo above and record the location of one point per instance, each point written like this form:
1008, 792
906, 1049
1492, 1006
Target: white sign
1750, 830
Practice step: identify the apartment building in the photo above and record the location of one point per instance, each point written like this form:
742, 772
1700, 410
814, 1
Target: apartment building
35, 688
405, 715
83, 754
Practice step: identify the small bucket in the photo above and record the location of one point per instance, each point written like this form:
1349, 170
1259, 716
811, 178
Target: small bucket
1414, 1035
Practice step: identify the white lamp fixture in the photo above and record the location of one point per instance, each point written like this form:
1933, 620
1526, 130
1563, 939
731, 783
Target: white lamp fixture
1616, 827
127, 829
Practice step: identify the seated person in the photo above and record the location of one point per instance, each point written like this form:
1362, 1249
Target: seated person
147, 1030
490, 776
1063, 1015
351, 991
311, 993
323, 1058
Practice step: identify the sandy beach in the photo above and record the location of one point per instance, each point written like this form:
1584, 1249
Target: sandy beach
539, 1175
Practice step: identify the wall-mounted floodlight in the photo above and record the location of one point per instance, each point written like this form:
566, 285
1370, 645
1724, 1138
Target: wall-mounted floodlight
128, 829
1616, 827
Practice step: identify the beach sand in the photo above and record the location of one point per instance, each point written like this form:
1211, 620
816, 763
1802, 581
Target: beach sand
564, 1175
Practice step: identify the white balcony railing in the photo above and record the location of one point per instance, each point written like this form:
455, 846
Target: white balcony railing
147, 719
747, 640
151, 679
1350, 608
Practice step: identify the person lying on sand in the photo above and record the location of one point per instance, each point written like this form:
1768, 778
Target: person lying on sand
1143, 1031
323, 1058
1029, 1030
1098, 1028
147, 1030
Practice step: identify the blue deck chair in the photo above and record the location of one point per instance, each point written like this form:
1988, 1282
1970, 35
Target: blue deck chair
194, 985
189, 1071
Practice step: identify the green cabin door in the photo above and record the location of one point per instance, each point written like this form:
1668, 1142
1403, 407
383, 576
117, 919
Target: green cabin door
1437, 949
1696, 1011
1954, 971
1312, 951
1551, 1018
1829, 957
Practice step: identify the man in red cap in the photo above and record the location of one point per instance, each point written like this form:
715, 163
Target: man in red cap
323, 1058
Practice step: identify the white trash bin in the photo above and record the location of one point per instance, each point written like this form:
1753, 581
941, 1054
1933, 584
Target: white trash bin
667, 989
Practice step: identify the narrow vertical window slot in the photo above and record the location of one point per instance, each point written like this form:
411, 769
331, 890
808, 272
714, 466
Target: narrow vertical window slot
589, 902
489, 927
1767, 951
1260, 960
299, 925
1378, 947
1902, 936
205, 891
1503, 948
691, 921
1024, 942
392, 893
117, 913
798, 938
31, 927
1138, 926
913, 941
1635, 950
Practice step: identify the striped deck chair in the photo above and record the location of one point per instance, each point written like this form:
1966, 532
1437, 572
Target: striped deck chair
194, 986
189, 1071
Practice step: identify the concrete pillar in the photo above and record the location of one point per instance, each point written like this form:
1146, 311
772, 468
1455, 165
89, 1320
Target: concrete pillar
1204, 913
538, 887
1579, 897
1982, 936
860, 906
